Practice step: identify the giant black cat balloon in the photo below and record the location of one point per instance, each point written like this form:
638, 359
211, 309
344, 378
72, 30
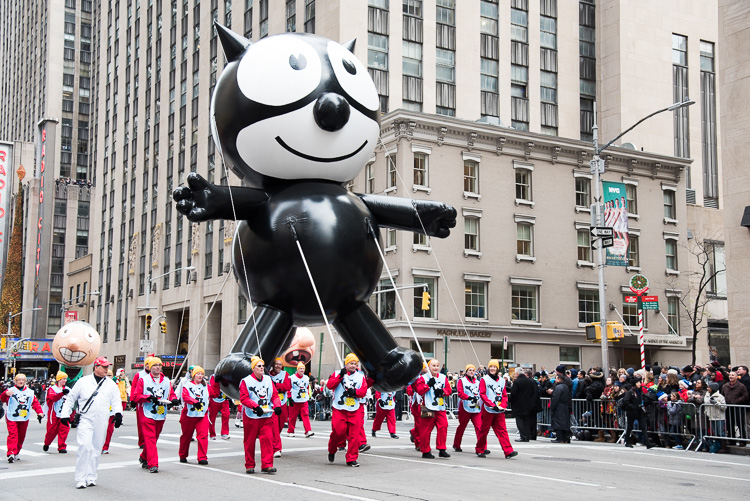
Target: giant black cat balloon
296, 117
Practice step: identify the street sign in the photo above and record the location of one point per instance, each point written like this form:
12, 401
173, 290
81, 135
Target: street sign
147, 345
602, 231
650, 306
505, 342
631, 299
650, 299
607, 242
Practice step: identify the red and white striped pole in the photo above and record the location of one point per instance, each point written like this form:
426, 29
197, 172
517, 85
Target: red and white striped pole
640, 334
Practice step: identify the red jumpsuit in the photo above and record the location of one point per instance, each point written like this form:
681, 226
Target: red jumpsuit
54, 428
389, 415
214, 408
346, 425
193, 424
133, 384
438, 420
300, 408
496, 421
465, 416
17, 429
280, 421
150, 427
416, 412
260, 428
110, 431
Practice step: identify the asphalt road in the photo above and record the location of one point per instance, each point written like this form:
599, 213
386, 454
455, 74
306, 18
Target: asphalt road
391, 469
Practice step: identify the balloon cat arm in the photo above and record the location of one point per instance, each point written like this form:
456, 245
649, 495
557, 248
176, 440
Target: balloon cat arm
434, 219
204, 201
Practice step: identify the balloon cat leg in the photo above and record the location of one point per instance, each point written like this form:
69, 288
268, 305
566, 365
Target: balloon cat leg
391, 366
266, 333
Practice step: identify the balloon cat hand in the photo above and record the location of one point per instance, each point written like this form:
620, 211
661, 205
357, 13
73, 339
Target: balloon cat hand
436, 217
204, 201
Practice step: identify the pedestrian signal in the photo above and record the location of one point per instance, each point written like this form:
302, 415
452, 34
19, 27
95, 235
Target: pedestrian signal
425, 300
615, 331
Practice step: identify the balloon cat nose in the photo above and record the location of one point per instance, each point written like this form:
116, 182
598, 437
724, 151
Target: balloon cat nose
331, 112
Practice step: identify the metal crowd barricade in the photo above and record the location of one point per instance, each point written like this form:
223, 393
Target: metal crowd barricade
661, 432
594, 415
723, 423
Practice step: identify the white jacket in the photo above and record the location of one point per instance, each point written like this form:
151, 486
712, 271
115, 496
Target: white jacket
108, 396
714, 406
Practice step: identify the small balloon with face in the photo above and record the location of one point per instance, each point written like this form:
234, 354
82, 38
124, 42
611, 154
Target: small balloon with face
76, 344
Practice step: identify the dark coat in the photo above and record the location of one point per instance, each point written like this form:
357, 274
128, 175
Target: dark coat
560, 405
524, 396
594, 390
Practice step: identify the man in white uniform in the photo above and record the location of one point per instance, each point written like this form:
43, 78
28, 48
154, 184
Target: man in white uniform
94, 395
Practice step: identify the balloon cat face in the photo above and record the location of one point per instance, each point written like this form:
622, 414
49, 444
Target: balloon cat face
293, 106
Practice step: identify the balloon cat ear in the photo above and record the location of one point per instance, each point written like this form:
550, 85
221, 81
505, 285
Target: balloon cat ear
233, 44
350, 45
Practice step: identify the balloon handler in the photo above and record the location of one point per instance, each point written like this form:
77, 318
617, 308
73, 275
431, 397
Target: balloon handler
20, 399
296, 117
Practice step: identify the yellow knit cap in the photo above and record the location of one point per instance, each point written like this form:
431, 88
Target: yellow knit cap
494, 362
254, 361
351, 357
153, 361
60, 375
196, 370
470, 366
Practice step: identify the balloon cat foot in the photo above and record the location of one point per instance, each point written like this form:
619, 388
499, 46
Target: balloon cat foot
400, 367
230, 371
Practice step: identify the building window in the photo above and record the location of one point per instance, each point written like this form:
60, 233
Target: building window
680, 94
583, 236
309, 16
671, 254
263, 21
519, 25
432, 290
377, 51
291, 15
242, 310
583, 192
446, 65
421, 169
633, 259
524, 239
631, 193
475, 298
523, 185
570, 355
588, 306
421, 241
471, 176
412, 59
471, 234
390, 239
428, 348
370, 178
673, 314
386, 301
669, 205
489, 16
392, 175
488, 70
708, 126
716, 269
524, 303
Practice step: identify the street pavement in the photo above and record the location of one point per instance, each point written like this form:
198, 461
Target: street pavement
391, 469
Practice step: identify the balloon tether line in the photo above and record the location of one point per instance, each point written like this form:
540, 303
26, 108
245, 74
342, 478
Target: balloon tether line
374, 236
315, 290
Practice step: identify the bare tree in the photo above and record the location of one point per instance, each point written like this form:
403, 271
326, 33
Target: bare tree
701, 282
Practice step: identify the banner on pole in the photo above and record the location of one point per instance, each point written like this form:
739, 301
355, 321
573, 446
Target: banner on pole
616, 217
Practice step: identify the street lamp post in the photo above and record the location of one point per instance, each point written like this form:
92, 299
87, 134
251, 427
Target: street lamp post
8, 347
148, 306
597, 169
77, 299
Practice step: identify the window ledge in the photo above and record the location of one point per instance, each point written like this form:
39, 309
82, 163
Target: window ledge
669, 220
424, 248
476, 320
634, 269
713, 295
529, 259
672, 272
423, 319
634, 216
526, 322
580, 209
390, 249
419, 187
392, 189
585, 264
474, 253
527, 203
471, 194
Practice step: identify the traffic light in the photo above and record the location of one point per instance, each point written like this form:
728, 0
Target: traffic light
148, 321
615, 331
163, 325
425, 300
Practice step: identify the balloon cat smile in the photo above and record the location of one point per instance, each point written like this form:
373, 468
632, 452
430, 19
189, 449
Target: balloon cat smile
294, 200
